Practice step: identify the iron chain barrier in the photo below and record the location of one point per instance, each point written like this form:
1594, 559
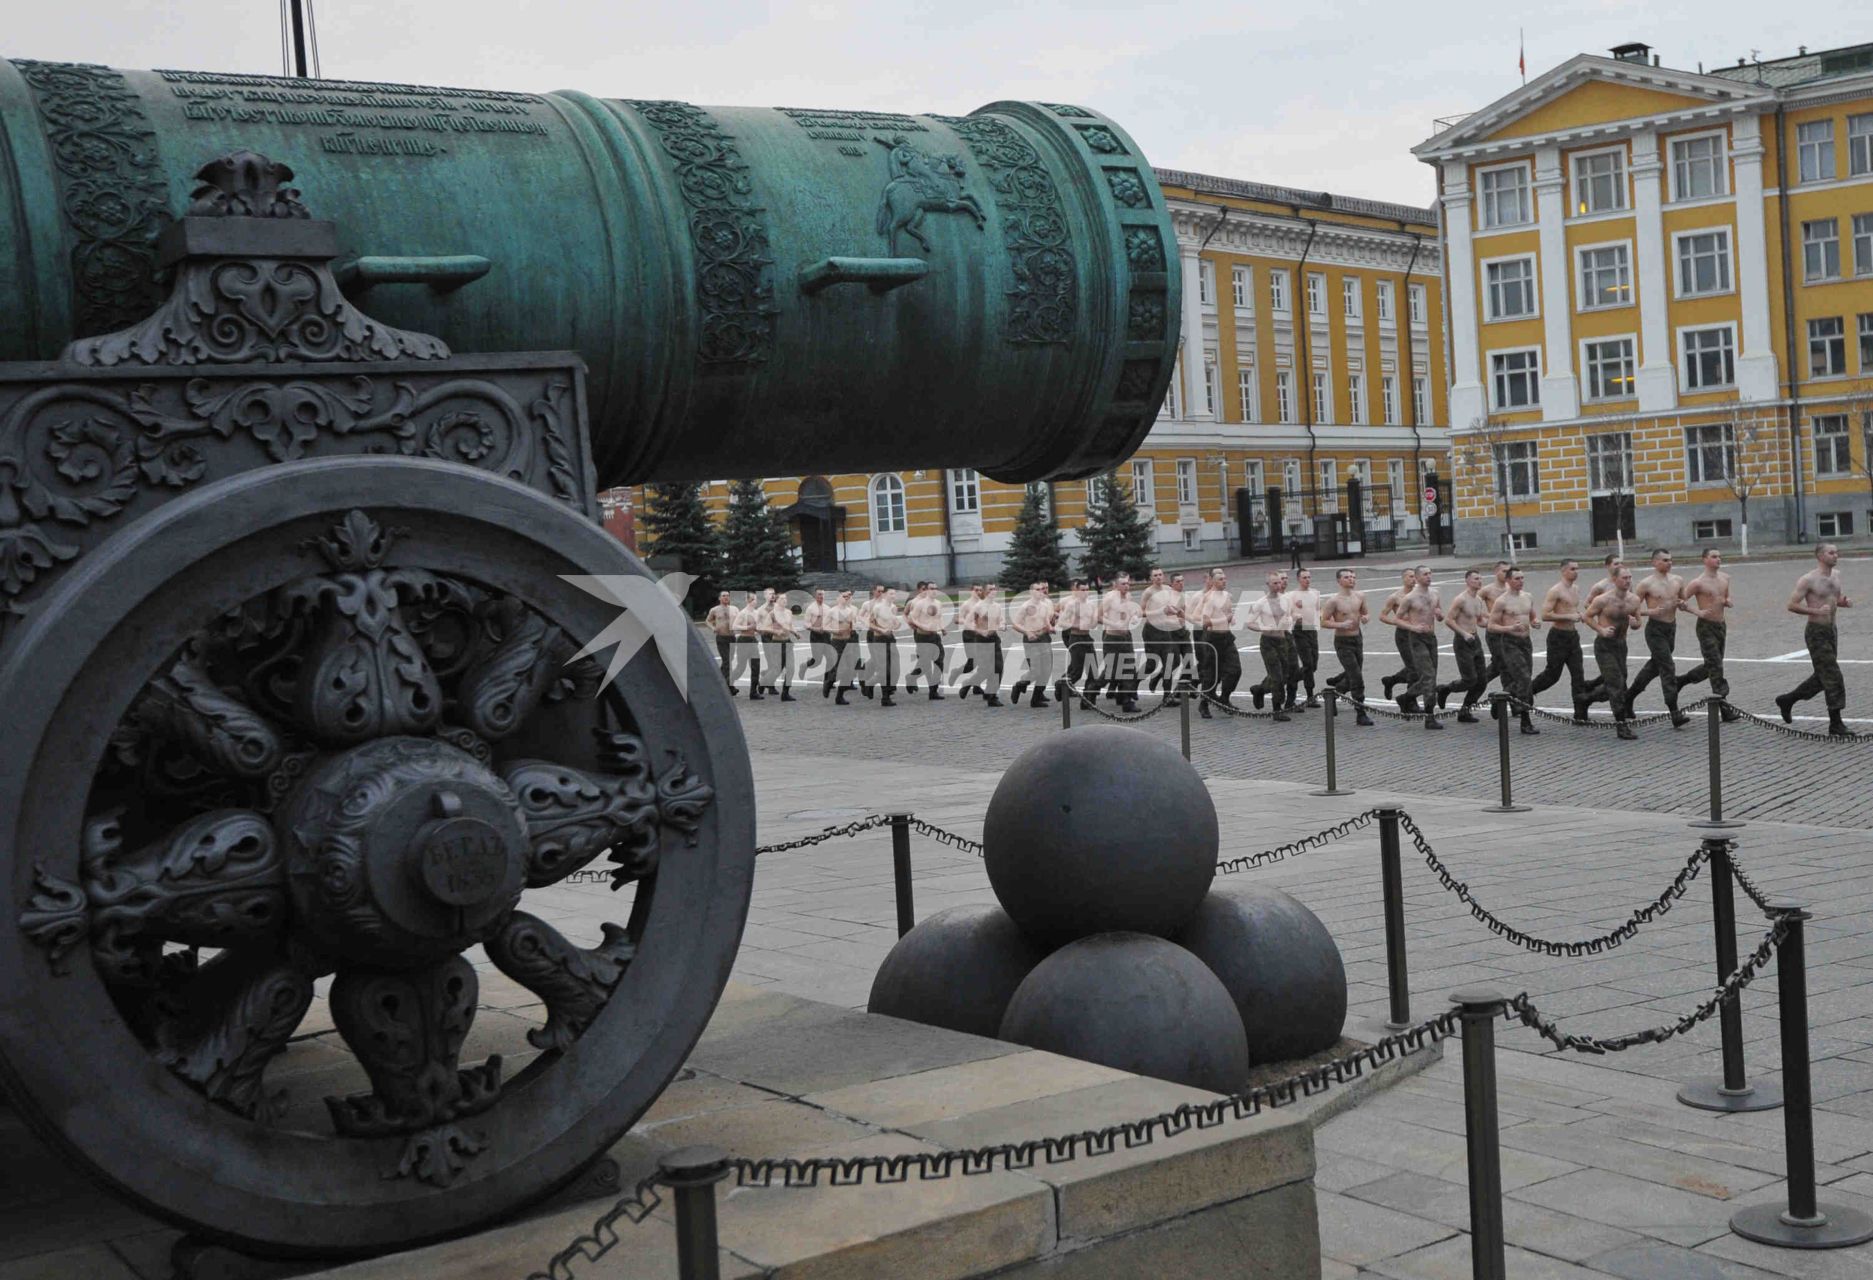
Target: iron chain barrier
1790, 731
1338, 831
871, 822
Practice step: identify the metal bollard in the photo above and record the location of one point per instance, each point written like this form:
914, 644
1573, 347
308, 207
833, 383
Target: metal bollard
1733, 1092
1713, 719
691, 1174
1805, 1224
1328, 716
1488, 1260
1183, 712
1066, 705
1499, 708
1392, 879
900, 871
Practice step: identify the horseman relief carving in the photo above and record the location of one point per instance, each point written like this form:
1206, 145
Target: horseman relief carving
921, 184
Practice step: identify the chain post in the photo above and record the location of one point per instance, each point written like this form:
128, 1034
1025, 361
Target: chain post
1733, 1092
691, 1174
1499, 708
900, 870
1066, 704
1183, 712
1805, 1223
1482, 1134
1391, 876
1713, 708
1330, 713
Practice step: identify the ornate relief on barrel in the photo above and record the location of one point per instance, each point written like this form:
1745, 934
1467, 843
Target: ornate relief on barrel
734, 280
110, 187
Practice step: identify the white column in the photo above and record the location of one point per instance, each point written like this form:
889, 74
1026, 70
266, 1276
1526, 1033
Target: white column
1756, 374
1658, 370
1193, 334
1467, 402
1560, 394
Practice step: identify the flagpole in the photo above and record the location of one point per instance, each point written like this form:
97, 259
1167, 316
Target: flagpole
1521, 49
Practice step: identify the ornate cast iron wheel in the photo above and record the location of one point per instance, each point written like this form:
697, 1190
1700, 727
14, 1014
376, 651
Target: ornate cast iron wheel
316, 721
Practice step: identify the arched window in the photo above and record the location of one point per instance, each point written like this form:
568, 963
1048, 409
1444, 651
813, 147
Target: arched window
887, 504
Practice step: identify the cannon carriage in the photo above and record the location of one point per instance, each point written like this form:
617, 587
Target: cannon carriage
298, 602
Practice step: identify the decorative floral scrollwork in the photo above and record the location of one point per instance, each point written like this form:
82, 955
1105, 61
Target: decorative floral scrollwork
574, 982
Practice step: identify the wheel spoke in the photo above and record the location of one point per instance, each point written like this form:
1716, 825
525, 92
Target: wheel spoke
574, 982
185, 706
230, 1020
503, 686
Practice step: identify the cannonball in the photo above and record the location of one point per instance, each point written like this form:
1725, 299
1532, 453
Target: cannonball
1135, 1003
1280, 966
1099, 830
957, 969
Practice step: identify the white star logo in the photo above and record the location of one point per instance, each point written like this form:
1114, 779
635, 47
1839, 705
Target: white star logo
651, 611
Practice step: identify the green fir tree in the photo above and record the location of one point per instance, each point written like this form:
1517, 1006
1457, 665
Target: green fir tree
1034, 554
756, 550
680, 535
1117, 537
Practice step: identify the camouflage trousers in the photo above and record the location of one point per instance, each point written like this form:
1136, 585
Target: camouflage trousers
1660, 639
1518, 666
1278, 659
1710, 643
1424, 672
1470, 680
1351, 651
1610, 656
1822, 641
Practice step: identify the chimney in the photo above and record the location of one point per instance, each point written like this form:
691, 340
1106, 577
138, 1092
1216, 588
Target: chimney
1633, 51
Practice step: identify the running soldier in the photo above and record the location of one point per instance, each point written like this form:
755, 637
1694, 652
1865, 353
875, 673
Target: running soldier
1417, 615
818, 642
1184, 665
991, 617
1032, 617
1161, 609
1304, 607
1512, 618
1612, 614
777, 637
1466, 615
974, 618
1560, 609
1268, 618
881, 643
1118, 666
1078, 615
1344, 614
721, 621
1493, 642
868, 668
1662, 593
1407, 647
1219, 666
1818, 593
841, 619
748, 645
1705, 598
927, 623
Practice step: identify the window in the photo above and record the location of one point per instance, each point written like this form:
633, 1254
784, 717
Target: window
1142, 492
1316, 294
1860, 145
1388, 399
1600, 182
1697, 167
1186, 482
1510, 286
1515, 380
1609, 363
1814, 143
1329, 485
1820, 249
1521, 540
1863, 244
1245, 394
1323, 397
1206, 283
1384, 301
1420, 399
1505, 196
1834, 524
1349, 296
1866, 344
1291, 477
1395, 477
1209, 389
1414, 298
1704, 262
1278, 290
1173, 398
1518, 473
1709, 357
1832, 454
887, 504
1709, 454
1193, 538
1242, 288
1609, 462
1356, 397
1094, 488
1605, 276
1827, 347
965, 492
1284, 396
1712, 530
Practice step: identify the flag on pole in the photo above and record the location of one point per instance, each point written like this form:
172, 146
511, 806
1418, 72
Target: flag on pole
1521, 54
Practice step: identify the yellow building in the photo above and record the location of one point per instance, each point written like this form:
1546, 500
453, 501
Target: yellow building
1660, 288
1354, 392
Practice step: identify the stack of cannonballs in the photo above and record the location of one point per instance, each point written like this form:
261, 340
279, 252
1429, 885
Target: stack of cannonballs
1110, 944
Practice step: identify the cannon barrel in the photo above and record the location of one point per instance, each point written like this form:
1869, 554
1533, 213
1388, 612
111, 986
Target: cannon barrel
754, 291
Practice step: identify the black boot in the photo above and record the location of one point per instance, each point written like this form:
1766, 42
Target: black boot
1021, 687
1786, 705
1203, 709
1528, 726
1835, 727
754, 682
786, 694
1362, 719
840, 700
1730, 713
1407, 703
1039, 699
866, 690
1255, 696
1580, 711
991, 699
1625, 731
1432, 722
1464, 716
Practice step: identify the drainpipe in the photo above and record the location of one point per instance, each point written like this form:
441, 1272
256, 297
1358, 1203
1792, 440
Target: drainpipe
1409, 365
949, 538
1305, 330
1788, 326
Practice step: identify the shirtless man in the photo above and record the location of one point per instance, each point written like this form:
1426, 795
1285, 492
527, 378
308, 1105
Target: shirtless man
1407, 647
1078, 615
841, 622
777, 637
818, 643
1344, 614
1417, 614
1604, 585
1612, 614
1304, 608
973, 617
881, 640
1705, 598
1184, 659
1219, 666
991, 617
1465, 617
748, 644
1268, 619
721, 621
927, 623
1560, 609
1491, 590
873, 655
1118, 667
1161, 609
1818, 593
1513, 619
1032, 617
1661, 592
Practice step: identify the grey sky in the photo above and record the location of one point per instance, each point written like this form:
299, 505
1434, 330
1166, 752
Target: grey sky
1324, 96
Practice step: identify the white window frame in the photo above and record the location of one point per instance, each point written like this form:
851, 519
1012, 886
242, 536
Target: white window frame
1420, 398
1684, 356
1680, 278
1242, 288
886, 494
1395, 481
1144, 485
1584, 298
1278, 292
1382, 302
1290, 479
1317, 295
1350, 300
1186, 482
1596, 461
1819, 150
1193, 537
1841, 440
1322, 385
1864, 328
1417, 302
1284, 395
1485, 197
1860, 145
1533, 284
1622, 181
1248, 395
965, 492
1211, 391
1862, 230
1206, 283
1587, 367
1518, 456
1836, 341
1356, 398
1694, 476
1533, 375
1720, 165
1328, 493
1388, 398
1808, 275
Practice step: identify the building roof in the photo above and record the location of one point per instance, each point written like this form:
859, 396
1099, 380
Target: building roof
1804, 67
1209, 184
